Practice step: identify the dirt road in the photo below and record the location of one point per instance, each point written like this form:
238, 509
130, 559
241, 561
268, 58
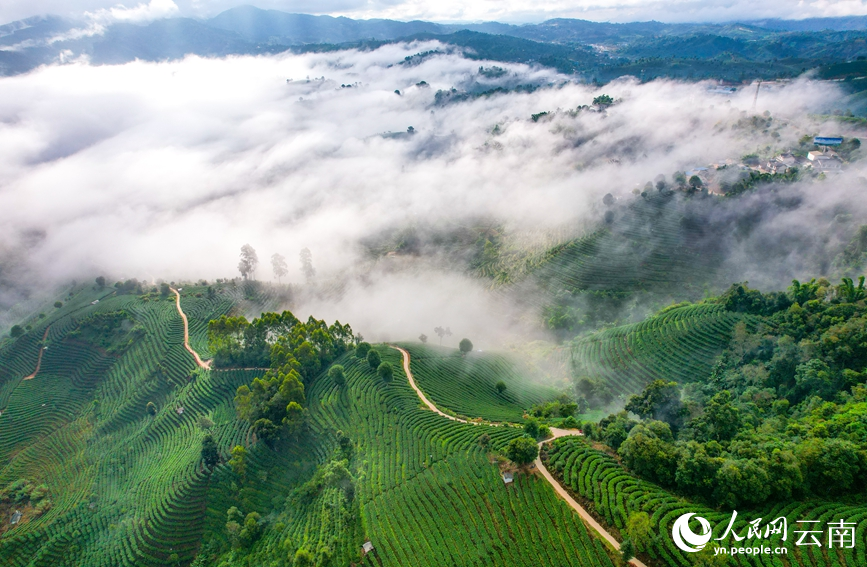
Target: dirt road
39, 360
202, 363
556, 433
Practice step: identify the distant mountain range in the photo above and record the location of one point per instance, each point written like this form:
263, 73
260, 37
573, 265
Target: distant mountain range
597, 51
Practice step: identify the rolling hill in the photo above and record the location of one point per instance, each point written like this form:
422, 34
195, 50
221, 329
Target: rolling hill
102, 480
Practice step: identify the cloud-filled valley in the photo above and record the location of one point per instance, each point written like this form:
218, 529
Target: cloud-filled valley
163, 170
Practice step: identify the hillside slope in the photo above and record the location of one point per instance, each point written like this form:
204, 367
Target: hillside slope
110, 484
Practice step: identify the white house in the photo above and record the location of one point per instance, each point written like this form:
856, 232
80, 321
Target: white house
825, 161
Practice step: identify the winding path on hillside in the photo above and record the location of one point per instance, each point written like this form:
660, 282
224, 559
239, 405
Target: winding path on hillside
556, 433
202, 364
39, 360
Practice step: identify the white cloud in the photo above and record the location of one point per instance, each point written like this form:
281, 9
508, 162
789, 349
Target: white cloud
153, 10
165, 169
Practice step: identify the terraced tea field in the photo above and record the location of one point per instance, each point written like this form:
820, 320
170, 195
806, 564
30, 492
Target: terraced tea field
128, 488
679, 344
466, 385
653, 247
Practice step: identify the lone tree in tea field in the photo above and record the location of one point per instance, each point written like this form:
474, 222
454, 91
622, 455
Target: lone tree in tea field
278, 264
338, 375
423, 338
500, 386
373, 359
248, 262
522, 451
385, 371
466, 346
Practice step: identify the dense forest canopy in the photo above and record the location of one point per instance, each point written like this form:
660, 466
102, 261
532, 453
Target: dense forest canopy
782, 415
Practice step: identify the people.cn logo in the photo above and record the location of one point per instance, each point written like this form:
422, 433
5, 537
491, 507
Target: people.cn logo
685, 538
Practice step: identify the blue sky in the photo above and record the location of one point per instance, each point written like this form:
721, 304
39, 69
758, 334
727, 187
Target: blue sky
516, 11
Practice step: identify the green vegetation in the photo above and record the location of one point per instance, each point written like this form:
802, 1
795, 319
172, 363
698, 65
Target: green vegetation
234, 341
467, 385
780, 416
680, 344
523, 450
113, 331
138, 457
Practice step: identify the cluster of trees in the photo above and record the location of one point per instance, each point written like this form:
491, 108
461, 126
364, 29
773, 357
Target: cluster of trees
563, 406
241, 343
248, 262
383, 368
113, 331
242, 530
782, 415
593, 392
294, 353
22, 492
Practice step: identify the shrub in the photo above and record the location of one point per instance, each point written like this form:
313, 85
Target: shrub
569, 423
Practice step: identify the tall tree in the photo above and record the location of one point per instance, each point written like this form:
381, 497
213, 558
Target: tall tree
210, 452
248, 262
466, 346
307, 264
278, 263
660, 400
522, 451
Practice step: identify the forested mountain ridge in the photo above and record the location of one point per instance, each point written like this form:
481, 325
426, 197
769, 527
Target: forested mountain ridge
593, 51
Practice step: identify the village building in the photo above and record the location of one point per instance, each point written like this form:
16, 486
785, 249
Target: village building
783, 162
508, 478
16, 517
825, 161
